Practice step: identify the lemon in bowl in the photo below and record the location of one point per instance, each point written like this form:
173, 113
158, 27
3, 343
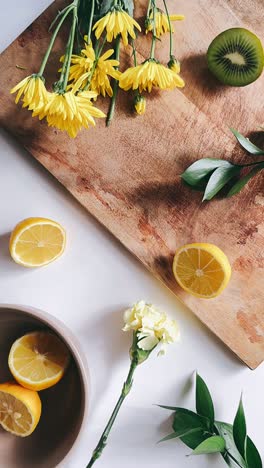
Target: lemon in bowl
20, 409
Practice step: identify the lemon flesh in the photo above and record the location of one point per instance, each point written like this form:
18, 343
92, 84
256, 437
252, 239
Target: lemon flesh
38, 360
201, 269
36, 242
20, 409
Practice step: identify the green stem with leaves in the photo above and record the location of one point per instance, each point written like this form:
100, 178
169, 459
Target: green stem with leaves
125, 391
170, 27
55, 33
115, 85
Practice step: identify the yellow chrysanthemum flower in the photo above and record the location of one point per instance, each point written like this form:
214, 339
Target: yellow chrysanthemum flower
70, 111
100, 82
140, 104
33, 90
161, 22
148, 74
81, 63
116, 22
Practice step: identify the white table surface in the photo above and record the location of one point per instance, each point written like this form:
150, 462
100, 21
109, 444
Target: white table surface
88, 288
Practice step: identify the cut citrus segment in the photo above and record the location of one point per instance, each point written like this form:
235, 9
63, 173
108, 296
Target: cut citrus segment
38, 360
36, 242
202, 270
20, 409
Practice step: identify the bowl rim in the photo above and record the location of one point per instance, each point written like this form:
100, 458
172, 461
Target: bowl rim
76, 349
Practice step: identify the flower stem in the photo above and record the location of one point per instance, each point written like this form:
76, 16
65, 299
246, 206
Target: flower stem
170, 28
70, 47
60, 86
115, 86
153, 43
47, 54
149, 6
134, 53
90, 22
125, 391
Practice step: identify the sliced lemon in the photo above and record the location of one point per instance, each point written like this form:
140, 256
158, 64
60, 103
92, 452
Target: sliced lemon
36, 242
202, 270
20, 409
38, 360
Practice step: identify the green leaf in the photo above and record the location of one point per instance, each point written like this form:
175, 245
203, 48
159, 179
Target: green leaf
199, 170
204, 402
246, 143
244, 180
240, 429
193, 440
177, 435
225, 430
102, 8
196, 426
172, 408
204, 421
128, 6
214, 444
219, 179
252, 455
185, 421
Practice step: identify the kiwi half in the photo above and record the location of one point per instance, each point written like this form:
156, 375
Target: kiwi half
236, 57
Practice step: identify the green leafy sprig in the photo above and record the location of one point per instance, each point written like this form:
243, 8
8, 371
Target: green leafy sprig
204, 435
211, 175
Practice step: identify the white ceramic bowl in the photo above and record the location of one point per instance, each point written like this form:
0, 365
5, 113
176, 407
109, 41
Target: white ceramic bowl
65, 406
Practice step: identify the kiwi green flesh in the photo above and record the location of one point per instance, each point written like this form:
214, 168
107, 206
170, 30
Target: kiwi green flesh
236, 57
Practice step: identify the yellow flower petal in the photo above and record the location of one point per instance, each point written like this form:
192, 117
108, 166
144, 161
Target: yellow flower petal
149, 74
114, 23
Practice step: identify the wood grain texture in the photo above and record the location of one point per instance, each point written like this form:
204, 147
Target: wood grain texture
127, 176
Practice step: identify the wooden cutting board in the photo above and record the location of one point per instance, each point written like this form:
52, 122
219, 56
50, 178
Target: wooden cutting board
127, 176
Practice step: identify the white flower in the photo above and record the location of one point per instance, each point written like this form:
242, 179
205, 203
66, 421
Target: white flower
151, 325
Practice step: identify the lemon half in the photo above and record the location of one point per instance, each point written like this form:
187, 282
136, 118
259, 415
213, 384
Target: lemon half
201, 269
36, 242
20, 409
38, 360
